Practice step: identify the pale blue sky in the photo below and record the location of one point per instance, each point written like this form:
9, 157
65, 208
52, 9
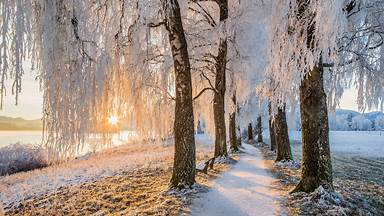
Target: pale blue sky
31, 100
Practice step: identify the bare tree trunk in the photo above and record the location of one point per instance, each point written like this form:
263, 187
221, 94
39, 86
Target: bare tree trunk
238, 127
259, 130
250, 132
220, 130
199, 129
272, 132
232, 127
238, 136
316, 162
184, 160
316, 159
284, 152
220, 86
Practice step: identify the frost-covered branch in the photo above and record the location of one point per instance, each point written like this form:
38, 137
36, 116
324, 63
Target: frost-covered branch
16, 43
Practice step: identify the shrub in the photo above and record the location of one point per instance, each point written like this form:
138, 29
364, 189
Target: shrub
19, 158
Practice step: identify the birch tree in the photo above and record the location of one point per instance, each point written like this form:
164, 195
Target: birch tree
296, 55
184, 159
284, 152
219, 62
308, 36
271, 124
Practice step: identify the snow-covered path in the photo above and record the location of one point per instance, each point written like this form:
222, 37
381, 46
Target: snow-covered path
247, 189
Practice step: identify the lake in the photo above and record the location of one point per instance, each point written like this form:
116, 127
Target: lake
22, 137
35, 137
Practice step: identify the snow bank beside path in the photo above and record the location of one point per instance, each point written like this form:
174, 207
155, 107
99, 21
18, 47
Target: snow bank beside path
246, 189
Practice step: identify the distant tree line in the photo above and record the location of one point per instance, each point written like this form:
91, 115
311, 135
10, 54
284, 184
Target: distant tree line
346, 120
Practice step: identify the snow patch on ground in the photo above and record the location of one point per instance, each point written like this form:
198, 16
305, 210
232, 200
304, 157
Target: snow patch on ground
289, 164
224, 160
320, 202
186, 192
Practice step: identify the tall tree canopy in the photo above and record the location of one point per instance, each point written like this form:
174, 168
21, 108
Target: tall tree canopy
100, 58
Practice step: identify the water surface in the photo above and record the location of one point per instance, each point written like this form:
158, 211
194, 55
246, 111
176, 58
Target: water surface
94, 143
22, 137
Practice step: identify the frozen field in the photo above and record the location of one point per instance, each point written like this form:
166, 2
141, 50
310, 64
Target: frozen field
358, 166
358, 143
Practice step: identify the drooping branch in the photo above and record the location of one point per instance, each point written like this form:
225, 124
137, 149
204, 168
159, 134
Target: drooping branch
201, 92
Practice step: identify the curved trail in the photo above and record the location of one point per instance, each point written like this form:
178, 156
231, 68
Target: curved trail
246, 189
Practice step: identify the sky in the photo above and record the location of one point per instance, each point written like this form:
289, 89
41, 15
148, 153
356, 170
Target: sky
31, 100
348, 100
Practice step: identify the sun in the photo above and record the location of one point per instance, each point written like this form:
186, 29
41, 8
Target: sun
113, 120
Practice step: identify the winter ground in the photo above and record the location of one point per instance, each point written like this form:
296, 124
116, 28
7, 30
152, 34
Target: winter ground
112, 165
358, 167
131, 180
246, 189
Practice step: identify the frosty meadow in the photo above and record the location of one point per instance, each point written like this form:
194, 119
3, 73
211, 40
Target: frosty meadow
207, 88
